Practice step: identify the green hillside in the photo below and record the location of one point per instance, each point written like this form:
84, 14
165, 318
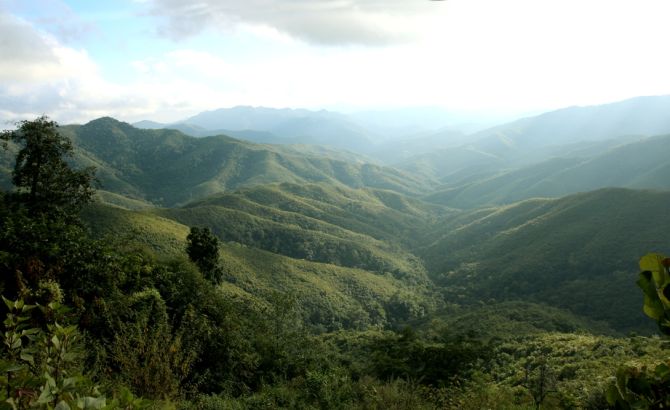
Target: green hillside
330, 297
579, 252
167, 167
161, 235
362, 228
382, 214
510, 320
641, 164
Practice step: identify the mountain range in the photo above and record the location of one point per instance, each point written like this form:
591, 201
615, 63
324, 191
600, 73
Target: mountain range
528, 211
373, 133
442, 137
136, 163
554, 134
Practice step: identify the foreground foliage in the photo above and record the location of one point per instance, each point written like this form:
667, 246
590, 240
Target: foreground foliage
648, 387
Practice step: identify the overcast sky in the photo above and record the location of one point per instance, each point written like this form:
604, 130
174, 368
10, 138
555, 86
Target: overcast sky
168, 59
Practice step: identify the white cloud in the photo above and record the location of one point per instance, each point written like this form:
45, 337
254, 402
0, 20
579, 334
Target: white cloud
473, 54
333, 22
38, 75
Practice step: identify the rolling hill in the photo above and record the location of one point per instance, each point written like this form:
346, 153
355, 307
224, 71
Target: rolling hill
166, 167
364, 228
579, 252
331, 297
536, 139
641, 164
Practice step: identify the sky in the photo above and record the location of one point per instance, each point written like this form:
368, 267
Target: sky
164, 60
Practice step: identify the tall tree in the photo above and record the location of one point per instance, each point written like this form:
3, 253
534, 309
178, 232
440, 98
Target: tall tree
41, 239
45, 182
203, 249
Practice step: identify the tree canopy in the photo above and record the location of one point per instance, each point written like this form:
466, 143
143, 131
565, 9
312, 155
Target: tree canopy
203, 250
44, 180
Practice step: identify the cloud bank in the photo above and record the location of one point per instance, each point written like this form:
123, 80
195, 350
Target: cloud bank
323, 22
39, 75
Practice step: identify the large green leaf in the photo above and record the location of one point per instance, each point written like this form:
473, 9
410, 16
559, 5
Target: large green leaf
653, 307
655, 263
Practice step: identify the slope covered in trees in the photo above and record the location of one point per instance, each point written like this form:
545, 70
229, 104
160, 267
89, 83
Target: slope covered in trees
166, 167
535, 139
355, 228
639, 164
578, 252
329, 296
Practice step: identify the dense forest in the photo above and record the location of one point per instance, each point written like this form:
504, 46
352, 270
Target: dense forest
150, 269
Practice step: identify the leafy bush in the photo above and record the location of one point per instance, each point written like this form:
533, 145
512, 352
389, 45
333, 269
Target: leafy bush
42, 368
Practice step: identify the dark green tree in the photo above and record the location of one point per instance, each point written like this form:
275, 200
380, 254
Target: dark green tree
40, 233
45, 182
203, 249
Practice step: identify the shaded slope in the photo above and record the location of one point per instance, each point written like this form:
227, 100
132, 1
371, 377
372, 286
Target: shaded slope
642, 164
579, 252
538, 138
167, 167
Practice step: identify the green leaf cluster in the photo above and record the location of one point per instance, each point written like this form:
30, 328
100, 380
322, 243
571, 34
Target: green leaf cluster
42, 368
641, 387
655, 284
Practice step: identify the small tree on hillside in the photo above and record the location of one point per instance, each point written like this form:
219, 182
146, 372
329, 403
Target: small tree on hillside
203, 249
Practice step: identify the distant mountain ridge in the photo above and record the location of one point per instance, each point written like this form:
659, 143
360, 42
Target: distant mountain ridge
278, 126
167, 167
535, 139
374, 133
430, 140
641, 164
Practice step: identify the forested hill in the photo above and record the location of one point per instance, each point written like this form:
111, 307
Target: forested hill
536, 139
329, 297
639, 164
578, 252
364, 228
166, 167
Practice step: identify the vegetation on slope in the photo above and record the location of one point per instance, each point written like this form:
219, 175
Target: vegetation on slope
640, 164
331, 297
576, 252
138, 163
318, 222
